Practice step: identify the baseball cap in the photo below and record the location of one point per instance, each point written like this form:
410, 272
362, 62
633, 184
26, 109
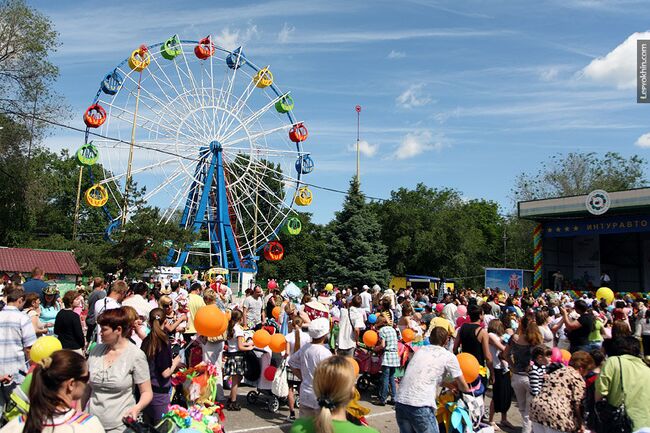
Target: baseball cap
319, 327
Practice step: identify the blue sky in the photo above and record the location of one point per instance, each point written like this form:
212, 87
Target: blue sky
461, 94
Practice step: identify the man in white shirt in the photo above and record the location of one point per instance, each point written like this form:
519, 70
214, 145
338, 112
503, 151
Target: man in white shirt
253, 308
113, 300
304, 362
416, 405
366, 300
138, 301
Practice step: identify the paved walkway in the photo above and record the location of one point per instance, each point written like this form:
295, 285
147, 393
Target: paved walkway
256, 418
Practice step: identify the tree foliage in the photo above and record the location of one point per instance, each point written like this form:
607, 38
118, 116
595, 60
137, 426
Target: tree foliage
580, 173
355, 254
436, 232
27, 75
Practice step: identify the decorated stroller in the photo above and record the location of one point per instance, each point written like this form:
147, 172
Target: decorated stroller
369, 368
264, 393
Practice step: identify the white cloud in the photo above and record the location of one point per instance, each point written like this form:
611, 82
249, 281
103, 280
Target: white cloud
396, 54
644, 141
415, 143
549, 74
618, 66
236, 38
285, 33
365, 148
412, 97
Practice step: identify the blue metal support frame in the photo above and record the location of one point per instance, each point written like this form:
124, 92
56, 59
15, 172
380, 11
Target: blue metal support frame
197, 213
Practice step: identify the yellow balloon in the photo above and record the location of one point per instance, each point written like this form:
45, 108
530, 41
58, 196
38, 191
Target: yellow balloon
329, 287
44, 347
605, 293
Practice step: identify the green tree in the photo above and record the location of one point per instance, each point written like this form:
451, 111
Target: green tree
355, 254
302, 254
437, 232
580, 173
27, 38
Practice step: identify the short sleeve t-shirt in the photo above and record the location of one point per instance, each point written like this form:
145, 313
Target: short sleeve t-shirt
232, 342
253, 310
306, 360
580, 336
306, 425
112, 386
427, 369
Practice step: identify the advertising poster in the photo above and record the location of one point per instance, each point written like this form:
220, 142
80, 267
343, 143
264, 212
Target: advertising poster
508, 280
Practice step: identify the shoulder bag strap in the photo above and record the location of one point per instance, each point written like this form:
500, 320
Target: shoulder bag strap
620, 368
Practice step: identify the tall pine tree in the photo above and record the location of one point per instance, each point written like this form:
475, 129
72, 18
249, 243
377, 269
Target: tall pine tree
356, 253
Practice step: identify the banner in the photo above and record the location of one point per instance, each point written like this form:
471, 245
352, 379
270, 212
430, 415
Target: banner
600, 226
505, 279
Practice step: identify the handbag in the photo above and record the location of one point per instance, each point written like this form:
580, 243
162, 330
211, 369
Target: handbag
280, 386
613, 419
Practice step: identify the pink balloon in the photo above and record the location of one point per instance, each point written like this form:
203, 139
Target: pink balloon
556, 355
272, 285
439, 307
462, 310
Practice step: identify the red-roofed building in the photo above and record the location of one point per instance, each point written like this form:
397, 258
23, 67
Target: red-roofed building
60, 266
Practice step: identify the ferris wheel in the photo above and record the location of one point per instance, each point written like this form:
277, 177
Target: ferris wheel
213, 141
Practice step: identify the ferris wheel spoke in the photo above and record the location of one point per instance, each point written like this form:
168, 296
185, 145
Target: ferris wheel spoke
250, 119
193, 81
138, 170
257, 135
195, 132
163, 184
148, 95
259, 174
238, 106
182, 193
182, 98
146, 121
265, 151
224, 99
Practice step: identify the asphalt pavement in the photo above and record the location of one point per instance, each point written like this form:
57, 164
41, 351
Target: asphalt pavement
257, 418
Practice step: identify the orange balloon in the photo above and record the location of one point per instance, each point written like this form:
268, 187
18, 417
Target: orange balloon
210, 321
278, 343
355, 365
566, 356
469, 366
261, 338
276, 312
370, 338
408, 335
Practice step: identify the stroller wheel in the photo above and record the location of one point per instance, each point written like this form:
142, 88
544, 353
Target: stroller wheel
251, 397
363, 383
296, 400
273, 405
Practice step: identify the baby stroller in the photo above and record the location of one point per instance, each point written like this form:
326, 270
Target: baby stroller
263, 392
369, 368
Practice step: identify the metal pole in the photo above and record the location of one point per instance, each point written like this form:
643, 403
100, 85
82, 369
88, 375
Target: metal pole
76, 208
128, 168
358, 109
505, 240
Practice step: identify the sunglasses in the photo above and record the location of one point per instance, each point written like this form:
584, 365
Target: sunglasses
166, 305
84, 379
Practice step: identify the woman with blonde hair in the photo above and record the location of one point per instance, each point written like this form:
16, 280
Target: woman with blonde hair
296, 338
334, 388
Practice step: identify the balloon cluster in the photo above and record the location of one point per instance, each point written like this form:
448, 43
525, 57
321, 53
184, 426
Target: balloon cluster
276, 342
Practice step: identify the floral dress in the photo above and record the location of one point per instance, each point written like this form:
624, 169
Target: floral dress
558, 405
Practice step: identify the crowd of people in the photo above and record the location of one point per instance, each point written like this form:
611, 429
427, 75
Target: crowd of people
563, 360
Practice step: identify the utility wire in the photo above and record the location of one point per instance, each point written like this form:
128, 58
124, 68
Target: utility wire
118, 140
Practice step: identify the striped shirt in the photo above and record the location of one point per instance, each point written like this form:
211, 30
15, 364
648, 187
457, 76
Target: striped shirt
16, 334
536, 378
